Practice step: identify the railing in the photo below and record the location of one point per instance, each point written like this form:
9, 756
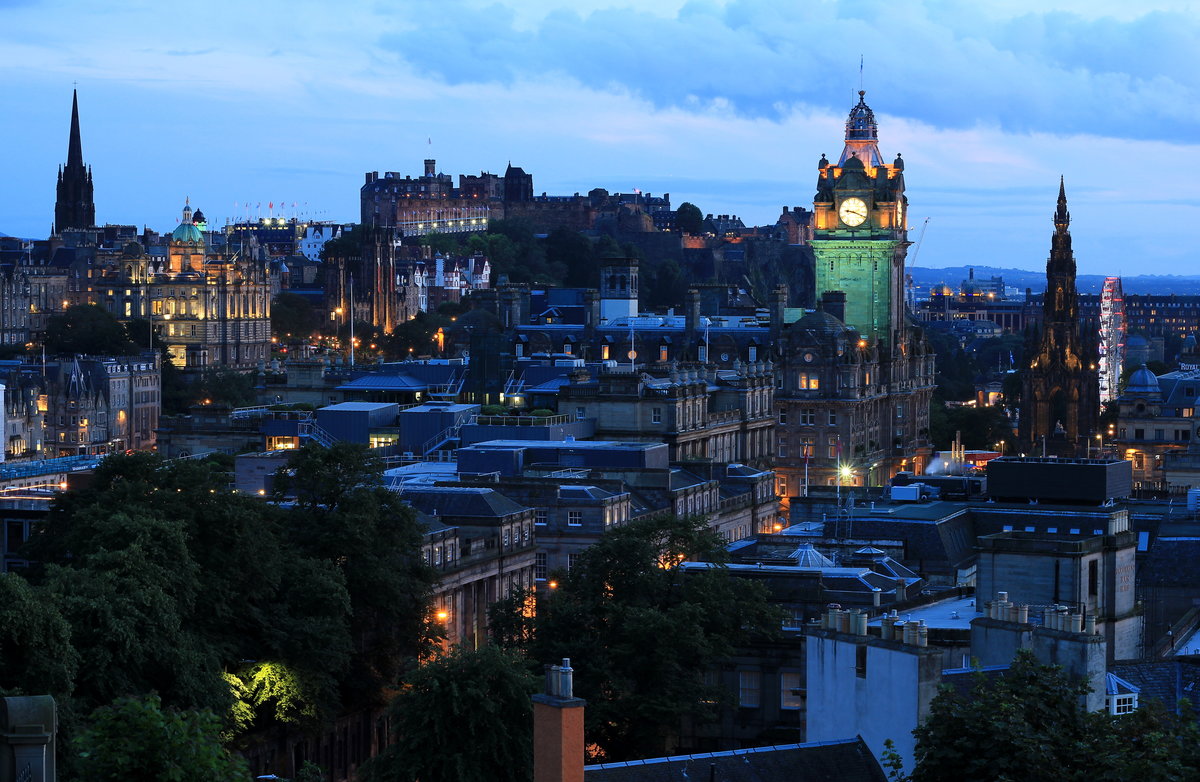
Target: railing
449, 433
311, 429
523, 420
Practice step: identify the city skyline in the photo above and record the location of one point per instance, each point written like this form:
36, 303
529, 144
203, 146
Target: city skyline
296, 102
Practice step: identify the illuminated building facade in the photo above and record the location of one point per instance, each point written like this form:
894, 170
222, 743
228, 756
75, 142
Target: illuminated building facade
212, 309
855, 378
860, 237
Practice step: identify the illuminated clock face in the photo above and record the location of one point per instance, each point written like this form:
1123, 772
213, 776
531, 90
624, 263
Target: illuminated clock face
853, 212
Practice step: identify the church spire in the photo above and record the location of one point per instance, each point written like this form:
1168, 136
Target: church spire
74, 207
75, 146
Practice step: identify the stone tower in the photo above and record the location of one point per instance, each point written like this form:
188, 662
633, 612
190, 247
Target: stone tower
74, 207
861, 237
1061, 392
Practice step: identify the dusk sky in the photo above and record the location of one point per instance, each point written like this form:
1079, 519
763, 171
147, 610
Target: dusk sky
728, 105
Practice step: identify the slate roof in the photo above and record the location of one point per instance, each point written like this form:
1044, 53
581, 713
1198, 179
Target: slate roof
1165, 680
832, 761
1171, 562
460, 501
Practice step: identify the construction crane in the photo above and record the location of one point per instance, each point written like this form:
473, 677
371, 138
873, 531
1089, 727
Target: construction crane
910, 296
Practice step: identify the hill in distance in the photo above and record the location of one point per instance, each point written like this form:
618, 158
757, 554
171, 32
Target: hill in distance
1182, 284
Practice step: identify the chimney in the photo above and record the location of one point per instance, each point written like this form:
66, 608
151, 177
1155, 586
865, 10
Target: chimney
834, 302
558, 728
692, 312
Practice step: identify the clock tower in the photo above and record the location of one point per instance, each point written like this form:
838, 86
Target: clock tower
861, 235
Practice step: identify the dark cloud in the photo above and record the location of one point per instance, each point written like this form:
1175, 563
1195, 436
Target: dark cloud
938, 61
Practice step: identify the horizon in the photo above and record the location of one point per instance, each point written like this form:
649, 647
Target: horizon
298, 102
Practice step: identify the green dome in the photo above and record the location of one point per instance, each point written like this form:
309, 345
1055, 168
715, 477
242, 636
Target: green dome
186, 232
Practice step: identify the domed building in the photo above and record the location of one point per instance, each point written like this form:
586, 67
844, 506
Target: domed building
1156, 420
212, 309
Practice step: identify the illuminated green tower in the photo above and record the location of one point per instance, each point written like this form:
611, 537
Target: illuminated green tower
861, 236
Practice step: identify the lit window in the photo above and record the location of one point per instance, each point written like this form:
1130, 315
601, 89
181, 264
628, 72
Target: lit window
790, 692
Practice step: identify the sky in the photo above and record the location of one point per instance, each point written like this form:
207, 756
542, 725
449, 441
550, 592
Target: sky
725, 103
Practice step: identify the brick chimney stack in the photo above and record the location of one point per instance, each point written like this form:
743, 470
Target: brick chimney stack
558, 728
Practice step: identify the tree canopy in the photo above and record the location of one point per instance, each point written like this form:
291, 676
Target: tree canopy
165, 581
86, 329
646, 628
1030, 724
136, 738
689, 219
473, 701
293, 317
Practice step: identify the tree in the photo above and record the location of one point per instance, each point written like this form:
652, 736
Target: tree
292, 317
648, 629
446, 244
86, 329
36, 655
1030, 724
689, 219
225, 387
136, 738
475, 701
344, 516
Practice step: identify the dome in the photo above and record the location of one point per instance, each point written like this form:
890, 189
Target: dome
824, 325
807, 556
1142, 382
186, 232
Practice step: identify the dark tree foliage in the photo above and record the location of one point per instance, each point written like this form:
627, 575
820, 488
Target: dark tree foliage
981, 427
136, 738
293, 318
689, 219
463, 717
446, 244
577, 253
158, 578
86, 329
224, 387
1029, 724
35, 642
643, 630
344, 516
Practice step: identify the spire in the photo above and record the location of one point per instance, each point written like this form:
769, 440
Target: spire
1062, 218
75, 146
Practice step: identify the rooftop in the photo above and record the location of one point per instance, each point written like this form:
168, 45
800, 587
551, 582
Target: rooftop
953, 614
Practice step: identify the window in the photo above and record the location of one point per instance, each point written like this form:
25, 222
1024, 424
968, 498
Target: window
656, 415
539, 565
1139, 434
790, 692
574, 518
783, 416
809, 382
572, 561
506, 537
540, 516
808, 416
899, 411
1125, 704
702, 353
1159, 434
604, 352
860, 661
580, 413
749, 689
1093, 578
752, 354
833, 418
662, 353
781, 449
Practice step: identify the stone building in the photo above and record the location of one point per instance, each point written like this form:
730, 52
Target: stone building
1060, 401
212, 309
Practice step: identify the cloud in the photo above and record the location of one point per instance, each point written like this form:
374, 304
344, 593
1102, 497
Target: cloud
953, 65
